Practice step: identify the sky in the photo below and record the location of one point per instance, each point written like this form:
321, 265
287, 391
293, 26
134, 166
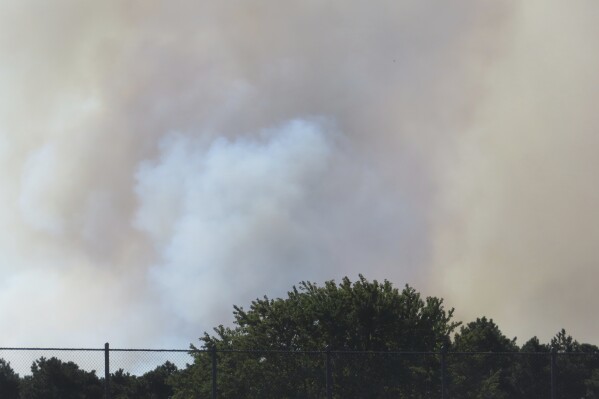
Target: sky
161, 162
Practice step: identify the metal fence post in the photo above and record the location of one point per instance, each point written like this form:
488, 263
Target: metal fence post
106, 371
213, 357
553, 373
444, 372
329, 373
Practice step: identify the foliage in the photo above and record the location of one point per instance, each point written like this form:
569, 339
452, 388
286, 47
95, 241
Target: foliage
54, 379
375, 341
575, 367
124, 385
483, 375
349, 316
9, 381
154, 384
533, 371
364, 316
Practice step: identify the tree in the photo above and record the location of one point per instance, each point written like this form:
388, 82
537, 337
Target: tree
9, 381
533, 370
156, 383
482, 375
576, 367
349, 316
54, 379
124, 386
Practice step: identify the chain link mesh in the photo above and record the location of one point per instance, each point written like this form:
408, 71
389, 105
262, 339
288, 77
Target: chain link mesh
32, 373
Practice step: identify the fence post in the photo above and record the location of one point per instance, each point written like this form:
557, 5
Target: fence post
106, 371
553, 373
444, 372
213, 357
329, 373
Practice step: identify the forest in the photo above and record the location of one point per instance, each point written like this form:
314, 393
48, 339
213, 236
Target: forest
360, 339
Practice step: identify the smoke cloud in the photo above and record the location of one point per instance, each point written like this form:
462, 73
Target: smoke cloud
521, 237
160, 163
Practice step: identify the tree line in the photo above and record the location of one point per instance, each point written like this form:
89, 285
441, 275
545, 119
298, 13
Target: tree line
378, 342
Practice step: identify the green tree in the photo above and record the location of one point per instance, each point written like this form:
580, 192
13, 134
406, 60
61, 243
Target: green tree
576, 366
483, 375
124, 386
154, 384
533, 375
592, 384
349, 316
9, 381
54, 379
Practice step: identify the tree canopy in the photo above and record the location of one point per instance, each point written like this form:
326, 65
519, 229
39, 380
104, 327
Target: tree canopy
358, 316
368, 338
349, 316
54, 379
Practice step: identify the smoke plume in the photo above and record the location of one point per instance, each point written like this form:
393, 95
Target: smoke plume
162, 162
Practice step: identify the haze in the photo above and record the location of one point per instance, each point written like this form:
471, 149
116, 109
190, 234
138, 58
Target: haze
160, 162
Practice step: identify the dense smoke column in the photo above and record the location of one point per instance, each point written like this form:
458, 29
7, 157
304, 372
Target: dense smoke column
159, 164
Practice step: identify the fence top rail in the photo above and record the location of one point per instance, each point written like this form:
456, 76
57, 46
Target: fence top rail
52, 349
100, 349
324, 351
501, 353
349, 352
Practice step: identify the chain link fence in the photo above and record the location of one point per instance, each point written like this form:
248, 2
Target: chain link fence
109, 373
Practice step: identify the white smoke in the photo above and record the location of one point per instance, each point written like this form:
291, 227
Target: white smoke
160, 163
228, 217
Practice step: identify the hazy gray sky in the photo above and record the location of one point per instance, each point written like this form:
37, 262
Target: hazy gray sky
162, 161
